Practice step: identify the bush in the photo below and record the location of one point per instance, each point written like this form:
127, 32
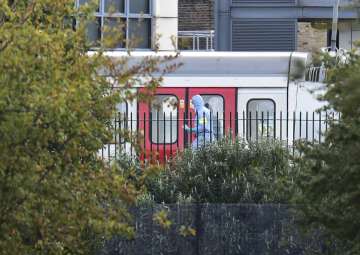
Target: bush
227, 172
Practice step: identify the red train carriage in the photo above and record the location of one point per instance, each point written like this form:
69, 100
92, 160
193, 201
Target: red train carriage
250, 95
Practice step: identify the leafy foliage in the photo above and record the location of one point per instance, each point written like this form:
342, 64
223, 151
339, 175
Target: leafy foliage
330, 172
55, 114
227, 172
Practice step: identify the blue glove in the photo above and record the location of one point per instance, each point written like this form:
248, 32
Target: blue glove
187, 128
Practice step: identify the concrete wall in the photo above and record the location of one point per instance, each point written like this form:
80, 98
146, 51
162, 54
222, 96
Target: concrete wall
165, 24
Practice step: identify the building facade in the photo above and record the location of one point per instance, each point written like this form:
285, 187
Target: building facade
286, 25
136, 24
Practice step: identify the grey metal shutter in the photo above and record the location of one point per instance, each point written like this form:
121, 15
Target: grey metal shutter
263, 35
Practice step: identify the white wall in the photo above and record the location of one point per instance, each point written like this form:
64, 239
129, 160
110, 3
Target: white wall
165, 24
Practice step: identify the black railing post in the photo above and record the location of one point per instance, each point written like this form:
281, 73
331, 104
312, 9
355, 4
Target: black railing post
211, 127
204, 127
144, 149
157, 135
320, 127
217, 125
313, 127
164, 136
197, 130
171, 132
131, 128
281, 118
307, 123
300, 125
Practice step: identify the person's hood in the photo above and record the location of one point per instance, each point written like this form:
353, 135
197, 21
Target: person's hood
198, 103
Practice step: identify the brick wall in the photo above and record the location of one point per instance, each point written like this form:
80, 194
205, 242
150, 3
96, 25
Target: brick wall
310, 39
196, 15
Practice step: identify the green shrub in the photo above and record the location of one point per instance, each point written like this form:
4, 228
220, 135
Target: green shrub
227, 172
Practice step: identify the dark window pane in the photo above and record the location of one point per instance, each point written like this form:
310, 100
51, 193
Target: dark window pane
114, 6
139, 33
95, 3
93, 32
114, 32
139, 6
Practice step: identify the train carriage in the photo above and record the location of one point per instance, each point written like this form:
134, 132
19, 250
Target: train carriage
253, 95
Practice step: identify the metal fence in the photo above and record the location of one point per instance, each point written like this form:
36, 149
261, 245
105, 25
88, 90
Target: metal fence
196, 40
219, 229
163, 135
316, 74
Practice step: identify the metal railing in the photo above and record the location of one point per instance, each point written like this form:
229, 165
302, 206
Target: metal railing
163, 137
196, 40
316, 74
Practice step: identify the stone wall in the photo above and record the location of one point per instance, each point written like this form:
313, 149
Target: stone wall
196, 15
310, 39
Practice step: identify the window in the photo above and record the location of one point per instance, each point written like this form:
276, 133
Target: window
260, 118
126, 22
215, 103
121, 122
164, 113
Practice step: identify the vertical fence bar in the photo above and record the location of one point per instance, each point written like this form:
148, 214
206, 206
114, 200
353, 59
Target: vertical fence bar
294, 128
281, 131
326, 122
320, 127
307, 128
287, 129
137, 131
197, 130
267, 124
257, 126
178, 129
231, 129
262, 124
275, 125
236, 123
115, 135
171, 132
121, 139
243, 121
224, 124
211, 127
184, 130
250, 129
157, 135
164, 136
300, 125
151, 135
217, 125
144, 149
313, 127
131, 127
204, 127
191, 123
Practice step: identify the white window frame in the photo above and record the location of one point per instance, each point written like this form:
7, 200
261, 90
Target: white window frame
127, 16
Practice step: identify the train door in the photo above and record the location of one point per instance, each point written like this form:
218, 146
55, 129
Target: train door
222, 105
262, 112
161, 123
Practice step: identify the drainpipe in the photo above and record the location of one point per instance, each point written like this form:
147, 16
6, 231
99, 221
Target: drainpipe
335, 24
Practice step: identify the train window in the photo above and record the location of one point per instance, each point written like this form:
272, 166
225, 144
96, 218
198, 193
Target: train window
121, 121
260, 118
215, 103
164, 112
